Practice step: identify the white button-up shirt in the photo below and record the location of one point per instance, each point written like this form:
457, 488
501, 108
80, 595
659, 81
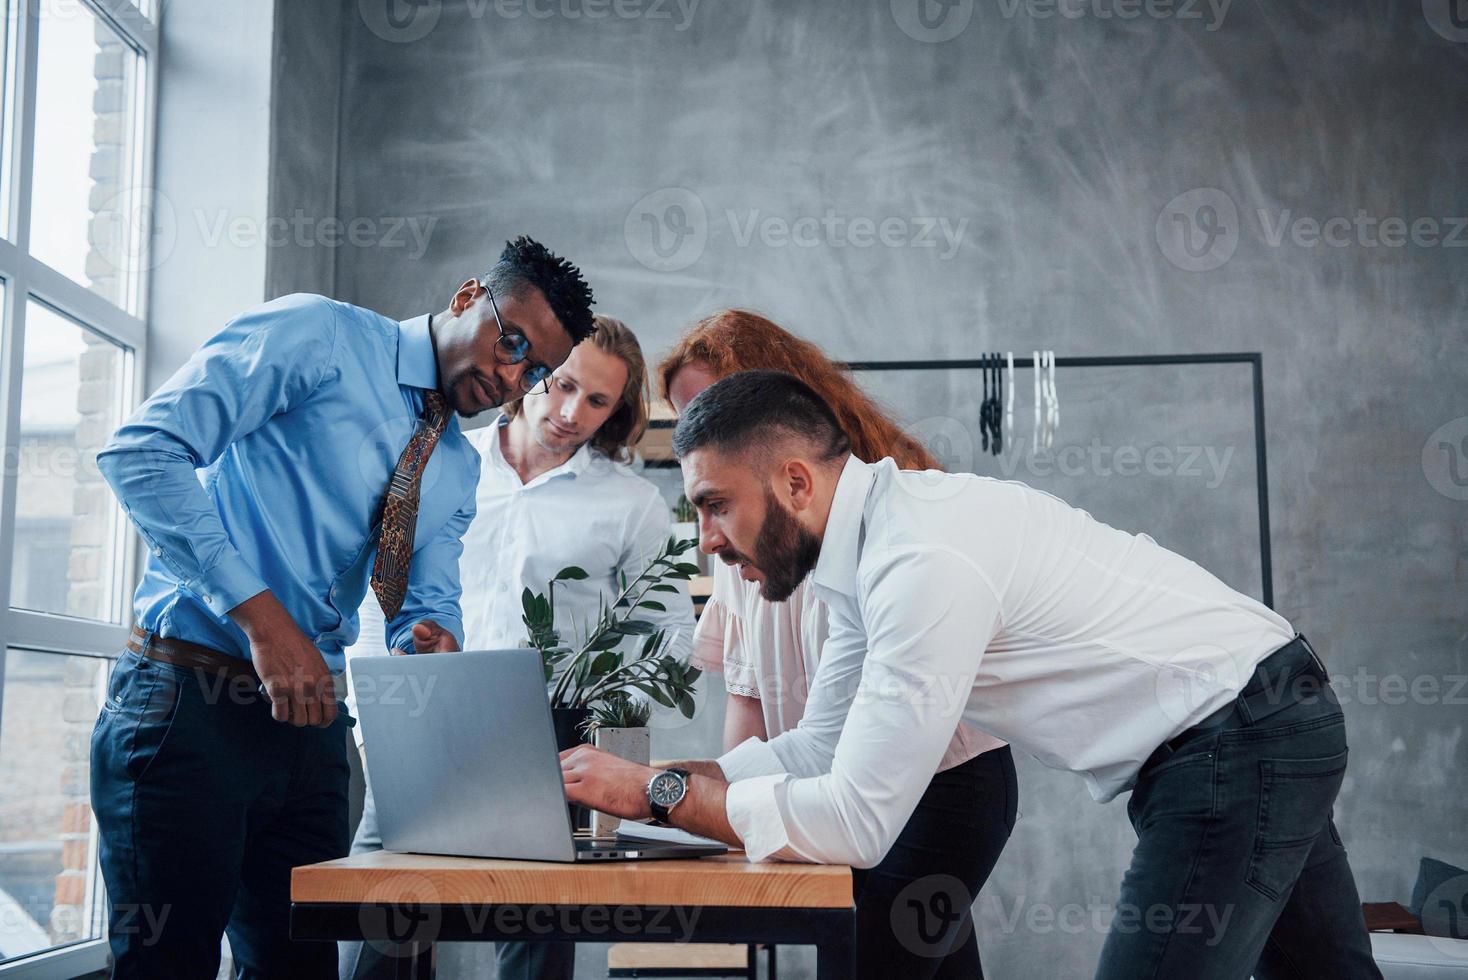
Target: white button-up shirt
589, 512
993, 603
769, 651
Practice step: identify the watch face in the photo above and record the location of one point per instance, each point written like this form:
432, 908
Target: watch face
667, 789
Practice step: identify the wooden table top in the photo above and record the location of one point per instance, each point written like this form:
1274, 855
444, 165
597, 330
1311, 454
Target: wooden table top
727, 880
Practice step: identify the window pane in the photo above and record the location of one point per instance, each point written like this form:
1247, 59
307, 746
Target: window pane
68, 546
50, 891
83, 188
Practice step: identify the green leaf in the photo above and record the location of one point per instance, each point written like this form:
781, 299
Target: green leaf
604, 642
606, 662
660, 697
663, 587
570, 573
637, 627
652, 604
527, 600
687, 568
685, 705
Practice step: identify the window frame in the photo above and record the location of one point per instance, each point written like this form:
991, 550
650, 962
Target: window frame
25, 279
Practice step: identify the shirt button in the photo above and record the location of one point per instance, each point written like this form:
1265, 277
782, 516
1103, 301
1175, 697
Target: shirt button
332, 593
208, 600
158, 552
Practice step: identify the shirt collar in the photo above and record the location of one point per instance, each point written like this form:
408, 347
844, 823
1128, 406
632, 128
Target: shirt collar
841, 546
417, 364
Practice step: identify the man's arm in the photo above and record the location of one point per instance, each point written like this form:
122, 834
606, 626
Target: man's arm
431, 620
928, 616
264, 362
613, 785
808, 748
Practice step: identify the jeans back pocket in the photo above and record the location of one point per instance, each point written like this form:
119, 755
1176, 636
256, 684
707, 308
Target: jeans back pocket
1295, 797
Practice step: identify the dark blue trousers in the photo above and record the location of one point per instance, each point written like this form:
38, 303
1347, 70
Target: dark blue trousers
1238, 869
204, 803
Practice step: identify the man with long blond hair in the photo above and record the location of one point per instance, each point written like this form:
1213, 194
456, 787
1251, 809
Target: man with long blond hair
553, 491
768, 652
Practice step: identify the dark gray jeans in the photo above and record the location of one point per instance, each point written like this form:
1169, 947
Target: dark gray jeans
1238, 868
514, 961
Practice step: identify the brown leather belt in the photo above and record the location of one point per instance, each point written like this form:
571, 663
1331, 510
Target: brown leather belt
182, 653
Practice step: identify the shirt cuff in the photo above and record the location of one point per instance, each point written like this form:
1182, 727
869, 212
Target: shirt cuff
403, 639
227, 584
750, 758
753, 809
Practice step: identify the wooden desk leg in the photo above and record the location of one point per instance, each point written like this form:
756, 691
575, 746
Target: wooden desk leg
836, 954
416, 963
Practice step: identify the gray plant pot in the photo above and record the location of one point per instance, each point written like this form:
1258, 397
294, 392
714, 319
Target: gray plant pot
632, 744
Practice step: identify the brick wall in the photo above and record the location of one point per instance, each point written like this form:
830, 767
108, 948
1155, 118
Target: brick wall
93, 531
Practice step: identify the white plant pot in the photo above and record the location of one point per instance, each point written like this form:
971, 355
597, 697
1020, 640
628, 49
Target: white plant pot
632, 744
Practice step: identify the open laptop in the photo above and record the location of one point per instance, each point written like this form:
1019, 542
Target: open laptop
461, 754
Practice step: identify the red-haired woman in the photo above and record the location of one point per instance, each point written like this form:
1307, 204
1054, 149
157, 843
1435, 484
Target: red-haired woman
914, 908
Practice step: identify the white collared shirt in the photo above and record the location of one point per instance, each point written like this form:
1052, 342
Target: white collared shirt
589, 512
769, 651
993, 603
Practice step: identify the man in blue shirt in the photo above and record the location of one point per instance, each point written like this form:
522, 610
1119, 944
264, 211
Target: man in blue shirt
304, 454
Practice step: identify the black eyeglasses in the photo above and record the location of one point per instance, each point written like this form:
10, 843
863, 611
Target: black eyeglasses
513, 348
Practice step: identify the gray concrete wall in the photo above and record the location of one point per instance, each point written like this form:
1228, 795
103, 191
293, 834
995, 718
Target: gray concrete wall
212, 162
304, 128
1005, 177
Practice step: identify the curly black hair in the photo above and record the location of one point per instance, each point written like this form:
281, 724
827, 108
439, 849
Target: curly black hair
526, 262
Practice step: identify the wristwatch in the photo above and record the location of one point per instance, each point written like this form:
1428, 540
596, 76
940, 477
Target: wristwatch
665, 791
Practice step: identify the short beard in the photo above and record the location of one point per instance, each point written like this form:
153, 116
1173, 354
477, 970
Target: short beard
784, 551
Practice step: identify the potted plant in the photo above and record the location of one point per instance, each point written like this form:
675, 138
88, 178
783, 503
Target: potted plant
594, 684
618, 725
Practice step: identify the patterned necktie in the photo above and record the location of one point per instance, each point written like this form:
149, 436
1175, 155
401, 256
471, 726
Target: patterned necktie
400, 508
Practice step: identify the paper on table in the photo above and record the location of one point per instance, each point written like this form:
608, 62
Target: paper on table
646, 831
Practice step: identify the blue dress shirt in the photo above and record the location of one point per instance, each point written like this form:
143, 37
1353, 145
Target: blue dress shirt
262, 464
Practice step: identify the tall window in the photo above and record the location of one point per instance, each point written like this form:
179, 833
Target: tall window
75, 226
